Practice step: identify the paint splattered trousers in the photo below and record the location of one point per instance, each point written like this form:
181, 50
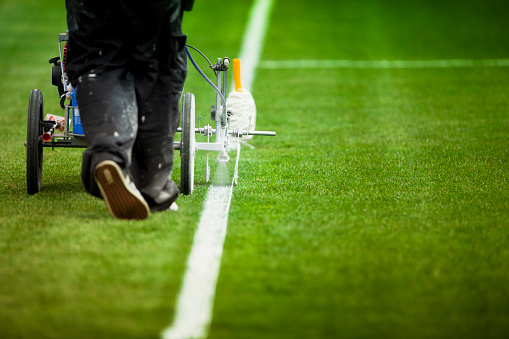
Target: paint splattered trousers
127, 61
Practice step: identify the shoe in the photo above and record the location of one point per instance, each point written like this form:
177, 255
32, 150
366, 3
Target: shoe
165, 200
123, 199
173, 208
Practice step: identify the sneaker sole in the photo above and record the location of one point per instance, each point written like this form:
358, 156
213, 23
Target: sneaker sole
122, 202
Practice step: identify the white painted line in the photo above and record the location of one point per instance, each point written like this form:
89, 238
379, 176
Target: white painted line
194, 307
196, 300
382, 64
253, 40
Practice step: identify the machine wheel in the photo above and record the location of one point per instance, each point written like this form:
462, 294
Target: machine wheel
187, 145
34, 142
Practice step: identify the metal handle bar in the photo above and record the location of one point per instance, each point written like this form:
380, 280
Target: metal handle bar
262, 133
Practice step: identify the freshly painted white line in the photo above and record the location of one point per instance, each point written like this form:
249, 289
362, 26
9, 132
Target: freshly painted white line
196, 298
253, 40
194, 306
383, 64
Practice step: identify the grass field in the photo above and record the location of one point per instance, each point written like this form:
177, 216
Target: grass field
380, 210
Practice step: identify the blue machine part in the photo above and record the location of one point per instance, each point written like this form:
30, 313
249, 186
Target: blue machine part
77, 128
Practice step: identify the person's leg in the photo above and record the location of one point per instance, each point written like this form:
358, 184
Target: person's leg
109, 116
108, 108
152, 163
159, 118
96, 64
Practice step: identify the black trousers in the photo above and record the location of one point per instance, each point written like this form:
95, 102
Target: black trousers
127, 61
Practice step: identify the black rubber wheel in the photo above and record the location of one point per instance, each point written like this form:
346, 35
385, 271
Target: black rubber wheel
34, 142
187, 145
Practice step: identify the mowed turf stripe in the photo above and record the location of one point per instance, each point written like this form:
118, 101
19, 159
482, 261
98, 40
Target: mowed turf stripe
375, 64
194, 306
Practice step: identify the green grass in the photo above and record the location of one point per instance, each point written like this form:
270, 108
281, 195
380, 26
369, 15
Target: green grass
386, 221
380, 210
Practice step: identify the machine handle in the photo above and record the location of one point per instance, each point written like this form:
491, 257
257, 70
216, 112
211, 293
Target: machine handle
263, 133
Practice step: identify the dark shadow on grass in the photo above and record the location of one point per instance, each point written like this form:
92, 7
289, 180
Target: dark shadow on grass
63, 187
